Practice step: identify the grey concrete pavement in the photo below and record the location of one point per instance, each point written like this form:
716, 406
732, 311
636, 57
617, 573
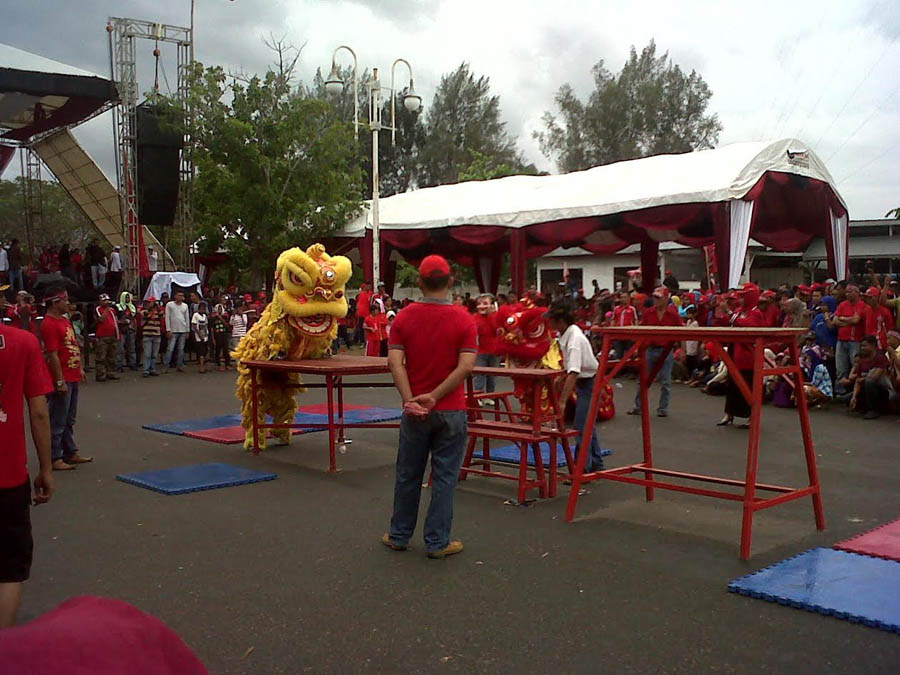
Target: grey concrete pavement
294, 569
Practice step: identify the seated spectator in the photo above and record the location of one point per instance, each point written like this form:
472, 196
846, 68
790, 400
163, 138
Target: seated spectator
872, 387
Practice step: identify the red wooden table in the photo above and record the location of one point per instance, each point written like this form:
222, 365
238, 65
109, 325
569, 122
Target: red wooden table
520, 428
757, 338
334, 370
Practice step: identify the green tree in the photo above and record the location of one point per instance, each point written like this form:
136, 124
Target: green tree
62, 222
651, 107
463, 118
275, 168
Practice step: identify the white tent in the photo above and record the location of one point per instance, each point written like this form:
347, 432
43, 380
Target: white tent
779, 189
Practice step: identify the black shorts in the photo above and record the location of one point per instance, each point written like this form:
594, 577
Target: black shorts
16, 545
201, 348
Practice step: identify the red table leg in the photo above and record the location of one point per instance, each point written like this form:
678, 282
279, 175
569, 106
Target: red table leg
644, 383
329, 386
808, 447
340, 393
752, 449
254, 397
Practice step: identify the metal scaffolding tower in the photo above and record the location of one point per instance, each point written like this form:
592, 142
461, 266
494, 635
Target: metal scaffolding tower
123, 67
31, 188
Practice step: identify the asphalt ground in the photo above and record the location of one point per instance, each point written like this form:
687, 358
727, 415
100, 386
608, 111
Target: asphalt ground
289, 576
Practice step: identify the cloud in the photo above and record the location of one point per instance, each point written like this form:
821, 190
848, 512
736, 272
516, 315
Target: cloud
825, 71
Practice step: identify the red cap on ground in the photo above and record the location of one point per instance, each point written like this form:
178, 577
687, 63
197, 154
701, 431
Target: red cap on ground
660, 292
874, 292
434, 266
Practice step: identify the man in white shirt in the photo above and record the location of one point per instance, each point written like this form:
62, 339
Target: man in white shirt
152, 260
581, 367
115, 268
4, 265
177, 327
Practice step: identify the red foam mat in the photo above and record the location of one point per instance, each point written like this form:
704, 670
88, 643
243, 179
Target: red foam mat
882, 542
228, 435
322, 408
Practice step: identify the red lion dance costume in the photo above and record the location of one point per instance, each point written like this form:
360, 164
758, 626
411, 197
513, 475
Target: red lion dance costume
525, 339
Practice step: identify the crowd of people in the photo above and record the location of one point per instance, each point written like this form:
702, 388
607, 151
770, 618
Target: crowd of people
94, 270
850, 351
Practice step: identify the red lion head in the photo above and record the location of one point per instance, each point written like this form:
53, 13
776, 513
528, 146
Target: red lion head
522, 333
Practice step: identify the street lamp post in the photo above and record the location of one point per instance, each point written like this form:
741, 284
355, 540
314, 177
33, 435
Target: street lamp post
334, 85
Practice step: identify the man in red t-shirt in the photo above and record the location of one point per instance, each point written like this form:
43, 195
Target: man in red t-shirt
661, 314
850, 318
432, 350
107, 333
23, 376
879, 319
64, 360
624, 314
363, 303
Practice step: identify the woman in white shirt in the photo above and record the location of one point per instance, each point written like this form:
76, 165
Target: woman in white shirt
581, 368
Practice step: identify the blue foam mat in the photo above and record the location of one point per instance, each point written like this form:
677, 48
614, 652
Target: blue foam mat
511, 453
203, 423
182, 479
844, 585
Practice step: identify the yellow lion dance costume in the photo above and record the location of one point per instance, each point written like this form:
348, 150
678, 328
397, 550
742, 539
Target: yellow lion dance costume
301, 322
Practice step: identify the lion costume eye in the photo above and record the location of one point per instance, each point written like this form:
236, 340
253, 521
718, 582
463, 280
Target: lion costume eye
511, 321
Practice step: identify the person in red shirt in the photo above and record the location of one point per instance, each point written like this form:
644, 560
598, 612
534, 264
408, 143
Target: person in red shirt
64, 360
432, 351
660, 314
850, 318
363, 303
747, 316
769, 309
624, 314
487, 341
23, 376
879, 319
375, 326
107, 344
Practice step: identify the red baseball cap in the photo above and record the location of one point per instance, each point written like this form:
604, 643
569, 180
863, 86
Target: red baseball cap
660, 292
434, 266
767, 295
150, 299
803, 288
248, 297
874, 292
749, 286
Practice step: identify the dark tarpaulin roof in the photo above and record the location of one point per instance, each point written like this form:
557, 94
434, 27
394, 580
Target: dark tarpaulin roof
38, 95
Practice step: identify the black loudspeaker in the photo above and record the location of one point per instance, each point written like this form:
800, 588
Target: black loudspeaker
159, 142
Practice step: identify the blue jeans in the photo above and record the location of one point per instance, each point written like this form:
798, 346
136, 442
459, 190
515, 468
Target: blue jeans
126, 352
151, 350
16, 280
63, 411
664, 378
844, 355
442, 435
584, 387
176, 342
485, 382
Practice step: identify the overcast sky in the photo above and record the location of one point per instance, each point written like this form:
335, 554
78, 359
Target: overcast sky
826, 72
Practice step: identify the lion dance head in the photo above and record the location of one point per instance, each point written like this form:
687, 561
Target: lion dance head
301, 322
